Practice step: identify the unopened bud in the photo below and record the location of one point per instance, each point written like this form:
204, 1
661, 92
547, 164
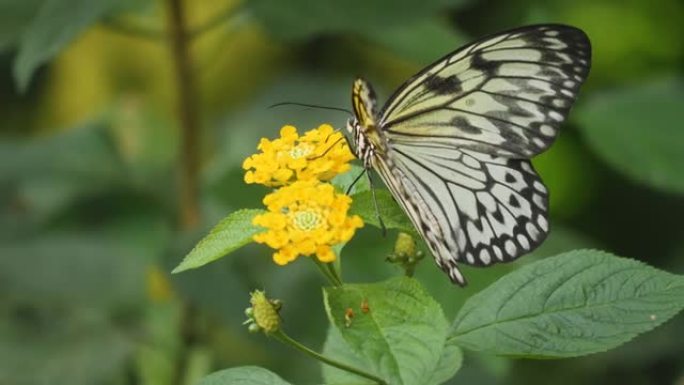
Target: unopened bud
265, 313
405, 247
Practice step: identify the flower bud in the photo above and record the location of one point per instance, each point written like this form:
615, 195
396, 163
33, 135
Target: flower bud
265, 313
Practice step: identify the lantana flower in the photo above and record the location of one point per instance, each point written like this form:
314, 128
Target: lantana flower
319, 154
307, 218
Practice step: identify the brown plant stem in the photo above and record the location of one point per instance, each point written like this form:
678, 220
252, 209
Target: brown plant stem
187, 113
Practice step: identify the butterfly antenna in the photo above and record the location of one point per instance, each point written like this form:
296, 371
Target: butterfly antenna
375, 203
327, 149
311, 106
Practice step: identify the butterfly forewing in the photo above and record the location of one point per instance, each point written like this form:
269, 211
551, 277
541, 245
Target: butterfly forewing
453, 143
504, 95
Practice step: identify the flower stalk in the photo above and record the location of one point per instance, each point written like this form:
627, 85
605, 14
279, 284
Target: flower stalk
284, 338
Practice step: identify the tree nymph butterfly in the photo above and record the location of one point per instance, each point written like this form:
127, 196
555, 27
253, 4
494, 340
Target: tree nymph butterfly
453, 143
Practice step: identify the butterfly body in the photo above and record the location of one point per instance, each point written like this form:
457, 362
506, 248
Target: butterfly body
453, 143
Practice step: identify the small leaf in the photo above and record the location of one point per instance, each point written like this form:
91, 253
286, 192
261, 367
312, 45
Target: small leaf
243, 375
55, 25
392, 215
400, 336
637, 131
233, 232
576, 303
343, 181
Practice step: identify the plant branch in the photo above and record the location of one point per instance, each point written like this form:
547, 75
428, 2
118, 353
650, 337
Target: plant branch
284, 338
188, 116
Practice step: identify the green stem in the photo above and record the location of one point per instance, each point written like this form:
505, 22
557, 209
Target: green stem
334, 280
409, 269
284, 338
335, 274
188, 115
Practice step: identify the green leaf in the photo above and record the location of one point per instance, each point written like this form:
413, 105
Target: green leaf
55, 172
14, 16
55, 25
336, 348
76, 346
233, 232
402, 335
637, 131
286, 19
408, 40
449, 363
43, 270
343, 181
392, 215
576, 303
243, 375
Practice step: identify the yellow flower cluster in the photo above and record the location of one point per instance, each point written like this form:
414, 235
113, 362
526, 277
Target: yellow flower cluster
319, 154
306, 216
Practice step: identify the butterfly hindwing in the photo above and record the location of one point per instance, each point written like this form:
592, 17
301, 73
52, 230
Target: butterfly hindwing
471, 208
504, 95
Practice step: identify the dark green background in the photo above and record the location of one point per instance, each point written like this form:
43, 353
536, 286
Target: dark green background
89, 224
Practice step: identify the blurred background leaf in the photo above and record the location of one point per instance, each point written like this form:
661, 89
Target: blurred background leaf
647, 147
88, 177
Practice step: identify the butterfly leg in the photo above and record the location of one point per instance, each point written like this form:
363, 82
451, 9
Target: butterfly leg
375, 203
355, 180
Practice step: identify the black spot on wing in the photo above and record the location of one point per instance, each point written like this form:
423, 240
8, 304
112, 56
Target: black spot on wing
443, 85
481, 64
513, 201
510, 178
464, 125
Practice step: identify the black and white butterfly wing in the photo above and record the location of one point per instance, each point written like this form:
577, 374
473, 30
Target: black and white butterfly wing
469, 207
503, 95
457, 137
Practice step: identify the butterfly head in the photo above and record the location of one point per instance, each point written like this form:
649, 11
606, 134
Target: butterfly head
363, 126
363, 102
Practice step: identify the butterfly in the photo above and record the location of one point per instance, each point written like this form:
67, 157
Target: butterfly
453, 143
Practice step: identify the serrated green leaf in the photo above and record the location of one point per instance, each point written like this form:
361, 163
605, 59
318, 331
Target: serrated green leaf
233, 232
638, 131
402, 335
392, 215
243, 375
55, 25
573, 304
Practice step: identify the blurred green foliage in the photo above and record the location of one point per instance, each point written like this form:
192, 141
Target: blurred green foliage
88, 176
